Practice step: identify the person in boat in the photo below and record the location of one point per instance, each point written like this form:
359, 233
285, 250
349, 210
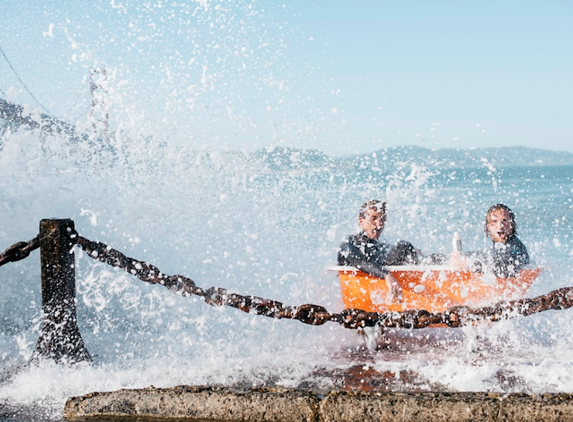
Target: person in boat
508, 255
365, 252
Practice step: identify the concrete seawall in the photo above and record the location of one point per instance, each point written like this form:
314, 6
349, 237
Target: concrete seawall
274, 404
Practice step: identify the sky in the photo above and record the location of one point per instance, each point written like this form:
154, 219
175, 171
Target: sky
338, 76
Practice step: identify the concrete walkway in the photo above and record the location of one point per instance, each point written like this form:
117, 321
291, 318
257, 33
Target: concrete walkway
273, 404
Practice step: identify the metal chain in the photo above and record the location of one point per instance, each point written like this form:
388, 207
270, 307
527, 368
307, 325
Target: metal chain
19, 250
455, 316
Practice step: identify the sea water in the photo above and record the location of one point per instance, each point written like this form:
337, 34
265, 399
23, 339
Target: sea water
265, 223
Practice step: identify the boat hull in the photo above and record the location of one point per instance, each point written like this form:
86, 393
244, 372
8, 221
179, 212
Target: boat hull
431, 288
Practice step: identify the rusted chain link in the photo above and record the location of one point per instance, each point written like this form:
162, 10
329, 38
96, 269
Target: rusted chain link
456, 316
19, 250
214, 296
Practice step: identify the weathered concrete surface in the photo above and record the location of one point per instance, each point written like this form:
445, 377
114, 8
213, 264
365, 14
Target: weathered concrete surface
259, 405
382, 407
272, 404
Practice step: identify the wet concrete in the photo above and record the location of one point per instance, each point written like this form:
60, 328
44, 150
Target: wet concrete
211, 403
273, 404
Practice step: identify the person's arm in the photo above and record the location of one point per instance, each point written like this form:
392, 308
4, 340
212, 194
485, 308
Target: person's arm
470, 261
507, 262
396, 294
351, 255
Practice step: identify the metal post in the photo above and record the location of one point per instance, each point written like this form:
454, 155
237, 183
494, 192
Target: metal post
60, 337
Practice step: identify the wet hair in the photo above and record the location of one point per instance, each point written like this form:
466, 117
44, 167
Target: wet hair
375, 204
498, 207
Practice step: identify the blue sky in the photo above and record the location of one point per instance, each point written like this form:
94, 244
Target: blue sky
338, 76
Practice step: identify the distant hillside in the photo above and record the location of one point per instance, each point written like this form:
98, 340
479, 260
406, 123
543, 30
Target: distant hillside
500, 157
13, 116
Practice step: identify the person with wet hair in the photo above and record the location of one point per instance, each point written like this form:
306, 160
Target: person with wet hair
364, 252
508, 255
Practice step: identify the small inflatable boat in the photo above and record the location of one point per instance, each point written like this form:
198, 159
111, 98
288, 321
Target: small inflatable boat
432, 288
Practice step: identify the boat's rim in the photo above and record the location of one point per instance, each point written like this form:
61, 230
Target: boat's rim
419, 268
399, 268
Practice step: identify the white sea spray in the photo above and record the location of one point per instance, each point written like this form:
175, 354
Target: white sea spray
241, 222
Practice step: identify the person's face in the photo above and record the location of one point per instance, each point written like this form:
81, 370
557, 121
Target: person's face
499, 226
373, 222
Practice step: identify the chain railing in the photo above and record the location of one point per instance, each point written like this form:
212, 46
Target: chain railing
214, 296
455, 316
19, 250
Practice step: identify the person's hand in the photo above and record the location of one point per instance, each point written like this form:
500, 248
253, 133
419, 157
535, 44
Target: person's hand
457, 260
395, 288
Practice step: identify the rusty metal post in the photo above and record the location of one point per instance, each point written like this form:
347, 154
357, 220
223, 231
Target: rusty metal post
60, 337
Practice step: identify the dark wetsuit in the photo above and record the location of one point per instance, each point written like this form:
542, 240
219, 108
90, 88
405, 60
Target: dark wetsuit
372, 257
503, 259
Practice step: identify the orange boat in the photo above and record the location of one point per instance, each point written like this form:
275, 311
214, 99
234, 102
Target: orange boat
433, 288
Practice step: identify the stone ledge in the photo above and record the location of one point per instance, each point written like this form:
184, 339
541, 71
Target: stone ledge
278, 405
366, 407
186, 402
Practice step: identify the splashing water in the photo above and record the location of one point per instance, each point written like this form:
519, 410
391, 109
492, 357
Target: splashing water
265, 222
257, 225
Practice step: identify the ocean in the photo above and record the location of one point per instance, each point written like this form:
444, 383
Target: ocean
267, 223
